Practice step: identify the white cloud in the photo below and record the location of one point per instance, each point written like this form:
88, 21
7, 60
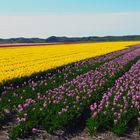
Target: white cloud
70, 25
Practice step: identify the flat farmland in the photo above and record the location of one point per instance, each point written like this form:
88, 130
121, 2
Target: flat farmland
20, 61
55, 90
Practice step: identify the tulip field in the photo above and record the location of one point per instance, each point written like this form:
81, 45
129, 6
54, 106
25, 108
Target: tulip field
49, 87
119, 104
16, 62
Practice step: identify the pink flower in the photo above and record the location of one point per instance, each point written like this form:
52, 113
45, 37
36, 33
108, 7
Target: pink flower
45, 105
23, 119
77, 98
115, 121
91, 108
59, 113
34, 108
94, 115
41, 109
18, 120
34, 130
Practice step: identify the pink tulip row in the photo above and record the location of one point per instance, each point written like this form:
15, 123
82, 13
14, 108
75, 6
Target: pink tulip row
73, 96
120, 104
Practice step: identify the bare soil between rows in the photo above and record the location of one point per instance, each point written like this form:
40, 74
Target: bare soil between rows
83, 135
75, 131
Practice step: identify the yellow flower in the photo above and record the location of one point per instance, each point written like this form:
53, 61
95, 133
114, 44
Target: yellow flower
20, 61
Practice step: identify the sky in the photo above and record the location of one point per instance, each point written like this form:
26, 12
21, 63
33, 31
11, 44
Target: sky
73, 18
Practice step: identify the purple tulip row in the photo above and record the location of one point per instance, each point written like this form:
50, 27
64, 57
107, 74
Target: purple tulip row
120, 104
69, 99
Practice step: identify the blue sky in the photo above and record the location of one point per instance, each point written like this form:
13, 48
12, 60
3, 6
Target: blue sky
25, 16
67, 6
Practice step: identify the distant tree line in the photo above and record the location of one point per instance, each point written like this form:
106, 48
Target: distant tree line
71, 39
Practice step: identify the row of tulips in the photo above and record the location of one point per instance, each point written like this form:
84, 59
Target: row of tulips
120, 105
65, 73
51, 80
59, 106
